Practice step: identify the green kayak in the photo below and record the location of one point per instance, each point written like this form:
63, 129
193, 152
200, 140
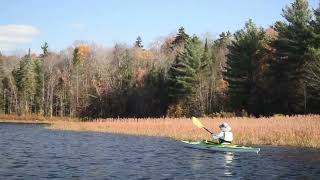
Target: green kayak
220, 147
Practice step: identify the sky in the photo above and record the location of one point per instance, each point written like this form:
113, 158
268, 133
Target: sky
25, 24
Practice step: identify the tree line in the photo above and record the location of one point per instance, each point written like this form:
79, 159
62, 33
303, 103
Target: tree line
254, 71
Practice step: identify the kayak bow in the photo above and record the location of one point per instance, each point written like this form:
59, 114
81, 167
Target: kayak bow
220, 147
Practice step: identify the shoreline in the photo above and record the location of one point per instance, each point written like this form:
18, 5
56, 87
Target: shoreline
295, 131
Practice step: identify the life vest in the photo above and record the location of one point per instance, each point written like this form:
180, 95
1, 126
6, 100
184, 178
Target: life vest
227, 136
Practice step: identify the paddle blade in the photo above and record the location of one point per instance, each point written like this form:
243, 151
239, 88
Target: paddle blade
197, 122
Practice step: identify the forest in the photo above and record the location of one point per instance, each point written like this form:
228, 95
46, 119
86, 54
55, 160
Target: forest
254, 71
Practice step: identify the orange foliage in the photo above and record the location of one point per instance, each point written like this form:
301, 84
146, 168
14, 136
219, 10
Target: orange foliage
84, 51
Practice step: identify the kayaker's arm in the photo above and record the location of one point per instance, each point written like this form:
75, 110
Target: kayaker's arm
220, 135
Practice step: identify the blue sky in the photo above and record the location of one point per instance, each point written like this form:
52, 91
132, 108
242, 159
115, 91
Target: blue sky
29, 23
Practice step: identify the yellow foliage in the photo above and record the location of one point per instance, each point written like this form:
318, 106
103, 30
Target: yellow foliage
175, 111
84, 51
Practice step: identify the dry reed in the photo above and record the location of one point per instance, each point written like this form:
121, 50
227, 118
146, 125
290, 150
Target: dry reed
33, 119
298, 131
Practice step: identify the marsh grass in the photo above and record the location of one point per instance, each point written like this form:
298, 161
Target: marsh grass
33, 119
298, 131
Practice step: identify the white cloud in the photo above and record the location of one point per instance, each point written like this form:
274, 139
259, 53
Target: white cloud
13, 35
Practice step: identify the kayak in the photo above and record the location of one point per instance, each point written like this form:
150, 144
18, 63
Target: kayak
209, 145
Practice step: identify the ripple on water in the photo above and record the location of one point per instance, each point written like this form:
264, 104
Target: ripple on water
33, 152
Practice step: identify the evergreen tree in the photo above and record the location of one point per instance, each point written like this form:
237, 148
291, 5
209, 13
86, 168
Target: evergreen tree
223, 39
40, 80
25, 82
139, 42
39, 86
315, 24
76, 60
292, 44
156, 91
313, 78
5, 98
45, 50
243, 65
183, 74
181, 39
312, 95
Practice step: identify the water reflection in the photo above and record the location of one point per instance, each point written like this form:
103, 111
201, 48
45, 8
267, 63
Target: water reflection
220, 163
198, 159
228, 165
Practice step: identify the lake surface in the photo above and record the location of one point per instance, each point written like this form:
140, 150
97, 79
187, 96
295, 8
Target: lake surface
33, 152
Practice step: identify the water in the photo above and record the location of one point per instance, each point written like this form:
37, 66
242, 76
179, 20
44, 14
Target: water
33, 152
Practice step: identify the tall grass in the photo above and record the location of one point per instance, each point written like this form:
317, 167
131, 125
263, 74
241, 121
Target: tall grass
299, 131
33, 119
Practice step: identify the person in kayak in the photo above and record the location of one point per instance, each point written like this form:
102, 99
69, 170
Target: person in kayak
225, 136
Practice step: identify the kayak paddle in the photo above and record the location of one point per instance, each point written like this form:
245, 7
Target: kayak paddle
198, 123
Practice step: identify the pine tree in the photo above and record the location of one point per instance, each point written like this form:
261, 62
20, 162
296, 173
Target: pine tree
39, 86
181, 39
40, 79
183, 74
45, 49
313, 67
313, 79
294, 38
243, 65
156, 91
25, 82
138, 43
5, 98
76, 60
223, 39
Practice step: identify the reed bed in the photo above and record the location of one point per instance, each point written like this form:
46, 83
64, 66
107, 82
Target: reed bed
297, 131
33, 119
